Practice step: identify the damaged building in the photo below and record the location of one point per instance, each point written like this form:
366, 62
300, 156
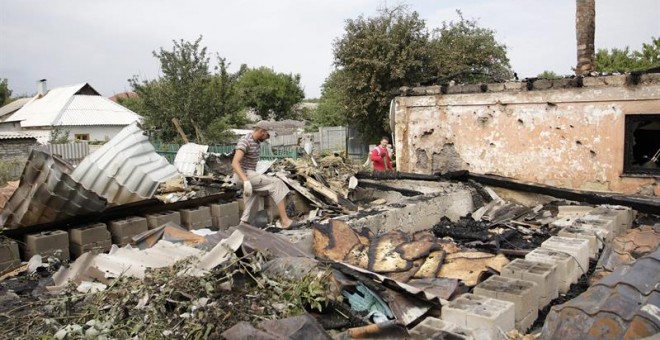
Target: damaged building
495, 226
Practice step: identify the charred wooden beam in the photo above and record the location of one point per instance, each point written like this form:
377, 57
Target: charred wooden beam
649, 205
384, 187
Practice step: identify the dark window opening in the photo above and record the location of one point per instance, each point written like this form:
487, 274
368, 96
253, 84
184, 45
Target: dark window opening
642, 145
81, 136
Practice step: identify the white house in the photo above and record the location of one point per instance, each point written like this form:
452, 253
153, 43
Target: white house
78, 109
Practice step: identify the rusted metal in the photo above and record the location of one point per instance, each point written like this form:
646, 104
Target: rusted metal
625, 249
624, 305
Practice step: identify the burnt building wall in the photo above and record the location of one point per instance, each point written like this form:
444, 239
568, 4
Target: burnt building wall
569, 133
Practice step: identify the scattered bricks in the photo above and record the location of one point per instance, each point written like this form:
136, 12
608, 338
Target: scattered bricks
156, 220
586, 233
10, 257
123, 230
196, 218
94, 247
573, 210
524, 295
434, 328
543, 274
89, 234
481, 315
622, 216
577, 248
566, 266
53, 243
224, 209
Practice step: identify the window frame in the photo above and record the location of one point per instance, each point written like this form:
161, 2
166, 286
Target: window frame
76, 135
629, 136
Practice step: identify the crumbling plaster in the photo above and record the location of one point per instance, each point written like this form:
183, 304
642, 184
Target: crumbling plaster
568, 137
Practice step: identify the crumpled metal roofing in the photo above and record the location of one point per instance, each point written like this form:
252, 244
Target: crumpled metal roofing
43, 111
126, 169
47, 193
624, 305
190, 159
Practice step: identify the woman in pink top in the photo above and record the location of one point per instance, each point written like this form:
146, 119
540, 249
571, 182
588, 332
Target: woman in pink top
380, 157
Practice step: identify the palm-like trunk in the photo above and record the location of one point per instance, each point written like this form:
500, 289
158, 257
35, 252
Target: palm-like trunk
585, 27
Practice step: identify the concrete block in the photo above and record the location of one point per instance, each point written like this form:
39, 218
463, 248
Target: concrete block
622, 216
606, 228
122, 230
514, 85
491, 317
524, 295
577, 248
222, 223
587, 233
616, 80
196, 218
94, 247
156, 220
10, 256
566, 266
573, 210
495, 87
224, 209
543, 274
89, 234
434, 328
48, 243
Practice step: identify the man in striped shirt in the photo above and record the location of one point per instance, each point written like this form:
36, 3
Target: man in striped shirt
244, 164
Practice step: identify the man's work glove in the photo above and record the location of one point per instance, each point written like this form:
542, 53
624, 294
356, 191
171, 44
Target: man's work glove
247, 188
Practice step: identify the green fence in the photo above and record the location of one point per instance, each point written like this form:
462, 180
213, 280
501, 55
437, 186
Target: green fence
267, 153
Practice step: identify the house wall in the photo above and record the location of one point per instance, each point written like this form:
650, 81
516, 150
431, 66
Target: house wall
546, 132
10, 126
96, 133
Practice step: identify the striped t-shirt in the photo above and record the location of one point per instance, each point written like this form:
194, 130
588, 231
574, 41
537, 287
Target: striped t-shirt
252, 150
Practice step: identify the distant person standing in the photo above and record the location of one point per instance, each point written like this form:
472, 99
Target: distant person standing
380, 156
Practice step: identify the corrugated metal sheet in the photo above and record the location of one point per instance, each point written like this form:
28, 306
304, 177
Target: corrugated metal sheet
624, 305
70, 152
624, 249
45, 110
47, 193
95, 110
15, 135
189, 159
13, 106
126, 169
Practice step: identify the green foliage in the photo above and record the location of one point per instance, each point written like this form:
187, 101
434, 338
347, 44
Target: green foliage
330, 111
5, 92
624, 60
379, 55
218, 131
464, 52
270, 94
188, 91
548, 75
58, 136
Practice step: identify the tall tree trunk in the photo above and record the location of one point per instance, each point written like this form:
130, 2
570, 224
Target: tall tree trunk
585, 28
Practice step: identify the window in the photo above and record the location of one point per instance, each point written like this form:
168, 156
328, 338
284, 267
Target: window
81, 136
642, 145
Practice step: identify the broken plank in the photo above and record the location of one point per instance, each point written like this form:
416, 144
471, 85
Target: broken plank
302, 190
330, 194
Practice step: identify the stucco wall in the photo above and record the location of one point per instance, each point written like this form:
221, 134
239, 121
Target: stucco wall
569, 137
96, 133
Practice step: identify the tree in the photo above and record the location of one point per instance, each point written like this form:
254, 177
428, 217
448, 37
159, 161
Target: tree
188, 91
270, 94
466, 53
624, 60
548, 75
585, 28
5, 92
330, 111
377, 56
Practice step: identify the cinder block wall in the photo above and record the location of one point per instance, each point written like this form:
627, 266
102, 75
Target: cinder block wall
567, 133
13, 155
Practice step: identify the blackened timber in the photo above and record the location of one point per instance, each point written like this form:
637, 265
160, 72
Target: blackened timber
649, 205
139, 208
460, 175
383, 187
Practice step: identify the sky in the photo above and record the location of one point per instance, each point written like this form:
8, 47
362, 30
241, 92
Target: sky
104, 43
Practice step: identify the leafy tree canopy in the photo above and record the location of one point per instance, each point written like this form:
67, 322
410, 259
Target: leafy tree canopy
188, 91
331, 111
378, 55
624, 60
270, 94
5, 92
464, 52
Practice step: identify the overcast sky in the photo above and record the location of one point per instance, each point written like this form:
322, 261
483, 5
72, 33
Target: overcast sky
106, 42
